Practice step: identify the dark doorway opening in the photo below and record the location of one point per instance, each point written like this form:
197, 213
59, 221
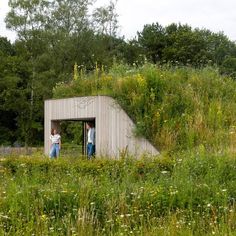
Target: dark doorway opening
74, 137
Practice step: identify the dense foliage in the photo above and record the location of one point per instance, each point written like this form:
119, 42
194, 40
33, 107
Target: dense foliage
188, 194
55, 35
175, 108
180, 44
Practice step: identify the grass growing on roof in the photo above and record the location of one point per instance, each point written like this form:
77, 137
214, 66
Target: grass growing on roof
175, 108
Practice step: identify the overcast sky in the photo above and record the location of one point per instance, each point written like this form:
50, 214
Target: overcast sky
216, 15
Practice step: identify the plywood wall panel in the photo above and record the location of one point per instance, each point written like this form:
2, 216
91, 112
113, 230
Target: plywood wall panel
114, 128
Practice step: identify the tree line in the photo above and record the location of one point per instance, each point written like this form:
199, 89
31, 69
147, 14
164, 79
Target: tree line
53, 36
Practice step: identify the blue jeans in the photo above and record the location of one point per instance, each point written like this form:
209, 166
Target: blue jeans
90, 150
55, 150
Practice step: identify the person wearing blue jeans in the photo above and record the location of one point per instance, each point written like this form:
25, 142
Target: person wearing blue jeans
55, 150
91, 140
55, 144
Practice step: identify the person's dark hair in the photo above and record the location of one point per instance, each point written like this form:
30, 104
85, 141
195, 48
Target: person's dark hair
90, 124
52, 131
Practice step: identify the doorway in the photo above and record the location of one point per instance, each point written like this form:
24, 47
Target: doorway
74, 136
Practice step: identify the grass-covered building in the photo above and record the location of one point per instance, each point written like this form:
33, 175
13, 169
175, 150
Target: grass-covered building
114, 128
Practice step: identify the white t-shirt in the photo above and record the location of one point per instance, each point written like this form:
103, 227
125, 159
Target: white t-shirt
55, 138
91, 136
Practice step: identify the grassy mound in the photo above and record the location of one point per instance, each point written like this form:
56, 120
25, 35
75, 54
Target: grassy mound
175, 108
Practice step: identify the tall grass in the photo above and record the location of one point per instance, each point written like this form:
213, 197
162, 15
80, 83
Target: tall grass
188, 190
191, 193
175, 108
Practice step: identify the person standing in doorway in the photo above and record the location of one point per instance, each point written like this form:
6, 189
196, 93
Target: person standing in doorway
55, 144
91, 140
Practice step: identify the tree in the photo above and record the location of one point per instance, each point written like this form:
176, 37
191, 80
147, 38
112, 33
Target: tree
105, 19
52, 36
29, 16
132, 52
183, 45
14, 96
153, 40
228, 67
6, 49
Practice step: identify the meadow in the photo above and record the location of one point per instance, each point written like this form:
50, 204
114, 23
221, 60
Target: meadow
189, 193
188, 114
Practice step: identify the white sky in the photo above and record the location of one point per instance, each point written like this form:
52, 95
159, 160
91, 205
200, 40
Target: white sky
215, 15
